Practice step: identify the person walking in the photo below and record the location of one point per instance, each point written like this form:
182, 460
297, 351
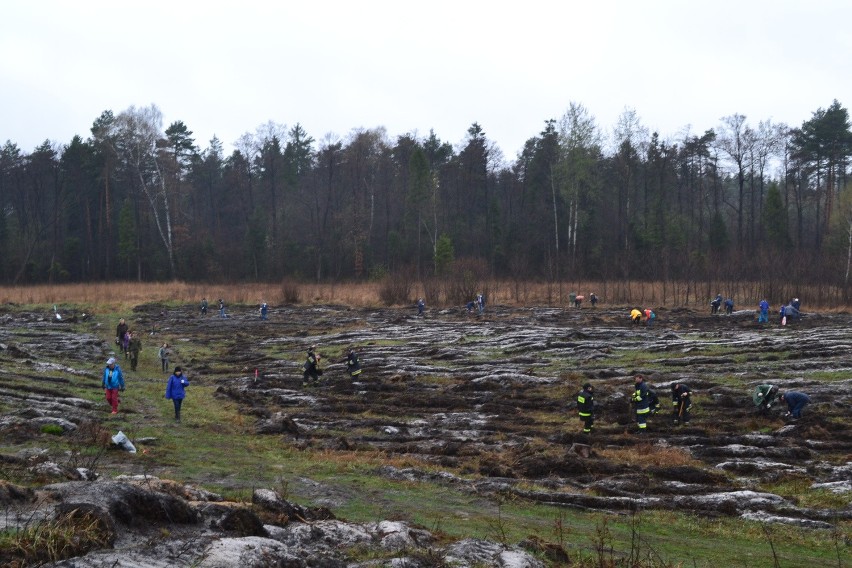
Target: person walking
164, 356
352, 363
764, 311
586, 407
641, 402
203, 306
421, 305
120, 330
764, 397
176, 390
264, 310
312, 371
134, 346
113, 382
682, 403
796, 402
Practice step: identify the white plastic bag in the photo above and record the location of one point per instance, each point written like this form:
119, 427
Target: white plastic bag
122, 440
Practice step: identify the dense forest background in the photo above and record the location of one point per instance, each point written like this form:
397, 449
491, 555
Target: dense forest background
133, 201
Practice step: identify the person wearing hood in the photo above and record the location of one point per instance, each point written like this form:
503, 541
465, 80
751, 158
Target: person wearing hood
113, 382
176, 390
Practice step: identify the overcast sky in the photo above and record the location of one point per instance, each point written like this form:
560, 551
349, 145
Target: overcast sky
225, 68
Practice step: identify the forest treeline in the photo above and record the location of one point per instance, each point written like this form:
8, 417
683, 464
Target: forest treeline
763, 202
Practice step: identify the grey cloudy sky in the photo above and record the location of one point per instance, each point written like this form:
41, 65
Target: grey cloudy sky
225, 68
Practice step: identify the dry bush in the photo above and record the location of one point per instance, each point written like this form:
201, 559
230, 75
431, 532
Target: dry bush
71, 534
395, 289
290, 291
649, 455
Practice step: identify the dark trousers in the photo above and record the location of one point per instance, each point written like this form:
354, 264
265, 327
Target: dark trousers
177, 402
588, 422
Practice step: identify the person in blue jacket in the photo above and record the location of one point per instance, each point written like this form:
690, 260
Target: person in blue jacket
796, 402
764, 312
264, 310
113, 382
176, 390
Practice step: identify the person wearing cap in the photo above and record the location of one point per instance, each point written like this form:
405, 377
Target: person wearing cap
352, 363
796, 402
176, 390
113, 382
586, 407
311, 367
682, 403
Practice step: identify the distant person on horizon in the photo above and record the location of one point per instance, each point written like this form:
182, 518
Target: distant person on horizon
593, 299
221, 308
421, 305
715, 304
729, 306
264, 309
203, 306
650, 316
764, 311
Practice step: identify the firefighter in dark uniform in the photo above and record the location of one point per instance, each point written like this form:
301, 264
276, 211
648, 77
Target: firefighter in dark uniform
641, 403
312, 370
586, 407
352, 364
681, 403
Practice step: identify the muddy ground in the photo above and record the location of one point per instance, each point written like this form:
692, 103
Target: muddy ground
490, 398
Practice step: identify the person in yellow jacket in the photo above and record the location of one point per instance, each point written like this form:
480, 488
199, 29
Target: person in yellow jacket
636, 316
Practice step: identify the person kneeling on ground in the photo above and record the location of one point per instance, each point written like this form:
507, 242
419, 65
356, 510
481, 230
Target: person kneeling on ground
764, 397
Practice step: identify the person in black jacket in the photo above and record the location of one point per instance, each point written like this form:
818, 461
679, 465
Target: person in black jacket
586, 407
352, 363
681, 403
312, 370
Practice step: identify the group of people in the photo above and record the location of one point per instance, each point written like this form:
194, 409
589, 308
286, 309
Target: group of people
113, 384
313, 372
647, 315
264, 309
765, 396
790, 310
645, 402
716, 304
478, 304
577, 299
113, 377
128, 342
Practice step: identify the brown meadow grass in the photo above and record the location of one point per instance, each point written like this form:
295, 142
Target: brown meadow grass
368, 294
